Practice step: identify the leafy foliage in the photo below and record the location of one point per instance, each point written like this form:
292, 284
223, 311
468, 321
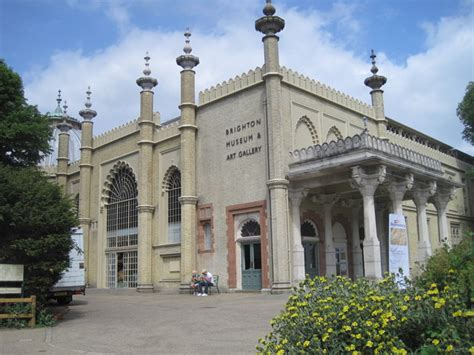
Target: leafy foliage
35, 220
465, 112
452, 267
337, 315
24, 132
44, 318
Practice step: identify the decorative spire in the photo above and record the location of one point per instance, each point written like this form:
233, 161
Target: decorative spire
147, 82
88, 114
375, 82
59, 97
187, 47
147, 70
269, 9
65, 106
269, 24
374, 68
187, 60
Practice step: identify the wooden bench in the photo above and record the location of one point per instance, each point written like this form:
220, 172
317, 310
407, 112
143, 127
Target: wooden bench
11, 280
216, 285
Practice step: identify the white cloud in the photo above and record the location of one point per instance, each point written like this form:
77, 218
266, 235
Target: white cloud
422, 93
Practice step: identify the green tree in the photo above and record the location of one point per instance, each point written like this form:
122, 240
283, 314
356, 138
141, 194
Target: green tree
465, 112
24, 132
35, 217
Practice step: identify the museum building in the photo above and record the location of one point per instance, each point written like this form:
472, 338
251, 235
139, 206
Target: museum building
271, 176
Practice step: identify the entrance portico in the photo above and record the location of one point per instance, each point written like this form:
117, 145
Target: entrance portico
362, 178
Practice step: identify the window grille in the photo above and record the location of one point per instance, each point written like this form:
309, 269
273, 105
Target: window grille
207, 236
455, 231
250, 229
122, 230
174, 207
122, 213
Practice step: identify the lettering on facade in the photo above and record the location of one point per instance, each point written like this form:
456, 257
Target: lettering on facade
243, 140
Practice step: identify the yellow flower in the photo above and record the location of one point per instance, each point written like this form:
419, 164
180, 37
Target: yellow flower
369, 344
330, 330
358, 336
368, 323
433, 285
280, 352
417, 298
306, 344
355, 324
435, 341
469, 314
457, 314
284, 341
406, 298
438, 305
404, 308
449, 348
325, 337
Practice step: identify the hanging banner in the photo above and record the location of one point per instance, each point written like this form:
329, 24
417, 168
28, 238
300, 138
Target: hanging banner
398, 246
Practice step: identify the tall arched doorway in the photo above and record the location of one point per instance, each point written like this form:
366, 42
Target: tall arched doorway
251, 255
309, 236
122, 228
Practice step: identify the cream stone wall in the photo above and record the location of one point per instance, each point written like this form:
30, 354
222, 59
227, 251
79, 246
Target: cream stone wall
232, 163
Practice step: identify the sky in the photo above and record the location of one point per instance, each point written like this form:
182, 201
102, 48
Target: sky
425, 48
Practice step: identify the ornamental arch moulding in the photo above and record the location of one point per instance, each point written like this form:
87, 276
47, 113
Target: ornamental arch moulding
334, 134
126, 186
305, 133
167, 182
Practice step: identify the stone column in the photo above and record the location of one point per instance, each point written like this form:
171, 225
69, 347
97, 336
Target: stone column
188, 130
328, 201
298, 252
421, 194
379, 214
375, 82
356, 249
63, 150
85, 168
145, 179
441, 200
269, 25
397, 190
367, 184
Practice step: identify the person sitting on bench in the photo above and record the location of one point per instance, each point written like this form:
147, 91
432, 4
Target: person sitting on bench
206, 280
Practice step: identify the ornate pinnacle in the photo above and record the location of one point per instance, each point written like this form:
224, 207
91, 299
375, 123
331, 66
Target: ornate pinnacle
375, 82
147, 82
59, 97
269, 24
88, 114
65, 106
187, 60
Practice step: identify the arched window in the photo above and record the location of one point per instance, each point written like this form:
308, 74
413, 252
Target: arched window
122, 228
250, 229
308, 230
174, 207
122, 213
76, 206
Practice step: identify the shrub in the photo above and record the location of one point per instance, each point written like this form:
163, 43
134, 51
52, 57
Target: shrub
340, 316
453, 267
44, 318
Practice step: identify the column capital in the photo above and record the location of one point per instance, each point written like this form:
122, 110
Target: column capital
297, 195
400, 187
145, 208
188, 200
442, 197
422, 192
367, 183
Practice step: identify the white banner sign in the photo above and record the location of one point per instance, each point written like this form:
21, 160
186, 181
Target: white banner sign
398, 245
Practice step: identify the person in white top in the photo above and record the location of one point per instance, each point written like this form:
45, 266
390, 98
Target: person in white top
206, 280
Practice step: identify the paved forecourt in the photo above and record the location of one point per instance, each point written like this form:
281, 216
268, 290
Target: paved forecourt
124, 321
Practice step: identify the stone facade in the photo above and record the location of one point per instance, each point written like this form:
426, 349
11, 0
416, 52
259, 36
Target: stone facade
269, 177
